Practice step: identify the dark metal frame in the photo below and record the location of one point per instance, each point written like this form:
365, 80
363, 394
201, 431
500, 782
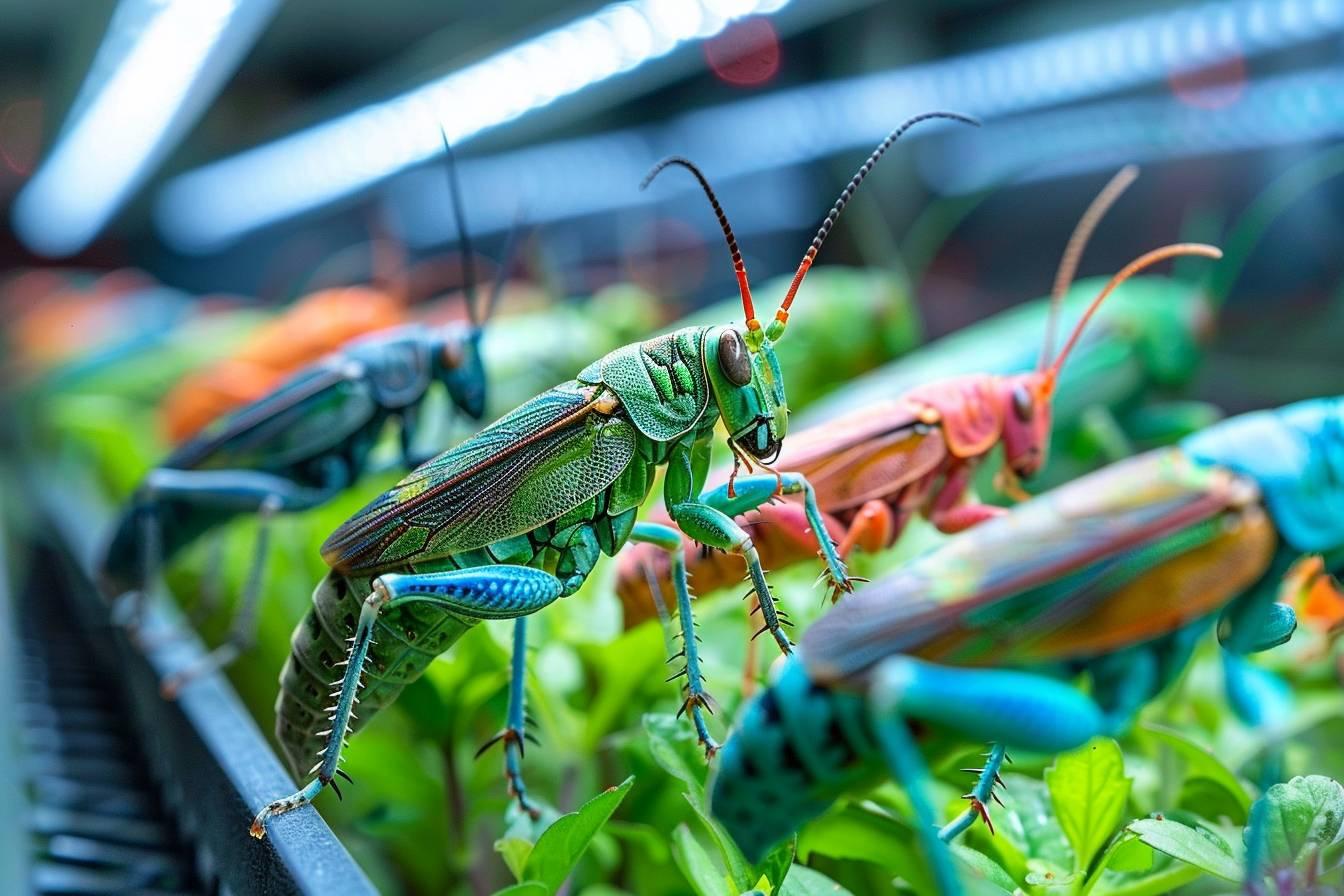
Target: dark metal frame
213, 764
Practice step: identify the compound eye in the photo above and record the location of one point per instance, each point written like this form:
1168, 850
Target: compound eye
733, 360
1023, 406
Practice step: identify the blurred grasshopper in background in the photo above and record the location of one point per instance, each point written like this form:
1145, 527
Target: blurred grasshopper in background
1116, 575
916, 453
293, 450
517, 516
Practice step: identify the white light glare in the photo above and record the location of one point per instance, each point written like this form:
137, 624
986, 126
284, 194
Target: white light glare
178, 62
572, 178
209, 207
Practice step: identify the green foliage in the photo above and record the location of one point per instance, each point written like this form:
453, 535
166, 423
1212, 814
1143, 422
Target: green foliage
1089, 790
1162, 810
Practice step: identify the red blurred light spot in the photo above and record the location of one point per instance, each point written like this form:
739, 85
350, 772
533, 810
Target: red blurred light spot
21, 135
745, 54
1216, 86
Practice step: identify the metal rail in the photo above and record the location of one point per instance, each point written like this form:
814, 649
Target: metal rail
201, 758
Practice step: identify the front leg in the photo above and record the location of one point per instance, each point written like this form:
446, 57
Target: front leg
750, 492
947, 511
714, 528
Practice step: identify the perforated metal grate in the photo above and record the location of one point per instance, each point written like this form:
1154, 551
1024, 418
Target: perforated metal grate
95, 821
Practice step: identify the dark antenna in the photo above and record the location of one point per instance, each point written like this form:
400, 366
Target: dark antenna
743, 286
463, 238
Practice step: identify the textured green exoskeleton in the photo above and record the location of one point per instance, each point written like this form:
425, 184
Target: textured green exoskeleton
516, 517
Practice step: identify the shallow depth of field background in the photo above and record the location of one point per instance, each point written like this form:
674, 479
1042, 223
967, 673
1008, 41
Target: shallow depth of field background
241, 154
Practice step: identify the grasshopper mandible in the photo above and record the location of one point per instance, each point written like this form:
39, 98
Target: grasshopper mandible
1117, 575
293, 450
517, 516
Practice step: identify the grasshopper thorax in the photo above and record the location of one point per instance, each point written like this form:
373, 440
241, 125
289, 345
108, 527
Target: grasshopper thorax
749, 390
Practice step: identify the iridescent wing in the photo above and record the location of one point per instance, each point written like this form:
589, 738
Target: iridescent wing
1013, 581
323, 402
526, 469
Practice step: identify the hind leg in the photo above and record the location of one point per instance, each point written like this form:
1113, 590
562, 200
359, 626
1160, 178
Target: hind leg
515, 730
485, 592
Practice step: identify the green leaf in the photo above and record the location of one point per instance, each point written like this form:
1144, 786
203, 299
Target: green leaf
739, 869
675, 750
1026, 824
1088, 789
515, 851
1198, 848
527, 888
986, 877
775, 866
804, 881
560, 846
1202, 763
1303, 817
1129, 855
696, 864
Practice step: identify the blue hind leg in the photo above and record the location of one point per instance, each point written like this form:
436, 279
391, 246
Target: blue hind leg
697, 700
484, 592
1011, 709
515, 727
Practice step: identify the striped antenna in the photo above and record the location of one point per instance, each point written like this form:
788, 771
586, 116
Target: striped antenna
782, 315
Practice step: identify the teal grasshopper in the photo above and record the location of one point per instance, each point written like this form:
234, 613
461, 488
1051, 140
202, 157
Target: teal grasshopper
1115, 575
517, 516
293, 450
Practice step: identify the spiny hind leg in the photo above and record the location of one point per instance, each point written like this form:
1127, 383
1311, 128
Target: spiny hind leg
515, 728
697, 699
485, 592
1007, 708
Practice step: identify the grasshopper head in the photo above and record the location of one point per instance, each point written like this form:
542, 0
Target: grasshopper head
458, 365
1026, 421
749, 390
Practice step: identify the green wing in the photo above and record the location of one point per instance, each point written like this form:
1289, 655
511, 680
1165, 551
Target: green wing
526, 469
1044, 565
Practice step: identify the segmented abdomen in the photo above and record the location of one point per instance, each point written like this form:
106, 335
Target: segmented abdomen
406, 640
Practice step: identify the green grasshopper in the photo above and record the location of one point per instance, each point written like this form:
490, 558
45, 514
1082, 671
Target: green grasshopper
517, 516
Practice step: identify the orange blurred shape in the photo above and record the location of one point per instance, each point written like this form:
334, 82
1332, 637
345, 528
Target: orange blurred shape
1315, 594
745, 54
1215, 86
313, 327
53, 319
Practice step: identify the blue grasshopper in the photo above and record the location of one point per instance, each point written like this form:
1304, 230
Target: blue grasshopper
1116, 574
295, 449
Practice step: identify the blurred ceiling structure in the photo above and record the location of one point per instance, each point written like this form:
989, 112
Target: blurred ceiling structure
322, 116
